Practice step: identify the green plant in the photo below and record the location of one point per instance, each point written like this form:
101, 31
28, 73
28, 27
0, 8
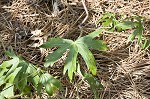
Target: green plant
109, 19
138, 25
94, 84
50, 83
146, 44
138, 31
17, 75
81, 46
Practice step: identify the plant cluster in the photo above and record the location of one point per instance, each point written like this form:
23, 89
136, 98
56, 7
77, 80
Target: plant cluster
18, 77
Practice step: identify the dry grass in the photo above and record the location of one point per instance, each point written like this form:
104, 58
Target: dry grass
124, 70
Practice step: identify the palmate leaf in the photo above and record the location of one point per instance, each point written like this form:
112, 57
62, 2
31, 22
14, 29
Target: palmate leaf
8, 69
17, 75
81, 46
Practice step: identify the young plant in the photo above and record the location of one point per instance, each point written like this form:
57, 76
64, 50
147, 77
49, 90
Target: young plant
80, 46
109, 19
18, 75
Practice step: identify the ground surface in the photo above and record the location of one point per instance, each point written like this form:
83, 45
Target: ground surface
124, 70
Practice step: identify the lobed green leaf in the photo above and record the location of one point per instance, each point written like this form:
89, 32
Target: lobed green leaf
81, 45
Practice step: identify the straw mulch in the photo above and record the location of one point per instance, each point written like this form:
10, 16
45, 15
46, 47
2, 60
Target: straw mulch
124, 70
